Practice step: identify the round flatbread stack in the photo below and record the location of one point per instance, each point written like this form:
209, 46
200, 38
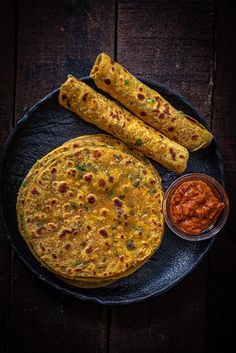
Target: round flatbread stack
91, 210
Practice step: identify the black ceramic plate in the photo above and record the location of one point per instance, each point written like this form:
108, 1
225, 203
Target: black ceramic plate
46, 126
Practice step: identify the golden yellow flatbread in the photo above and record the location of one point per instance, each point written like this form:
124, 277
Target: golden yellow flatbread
107, 115
74, 144
93, 213
148, 104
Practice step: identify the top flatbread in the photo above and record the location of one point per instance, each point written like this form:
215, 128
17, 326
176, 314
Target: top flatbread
94, 213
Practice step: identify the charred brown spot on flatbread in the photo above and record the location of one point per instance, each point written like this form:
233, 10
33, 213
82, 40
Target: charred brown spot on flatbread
63, 187
173, 155
85, 96
141, 97
107, 81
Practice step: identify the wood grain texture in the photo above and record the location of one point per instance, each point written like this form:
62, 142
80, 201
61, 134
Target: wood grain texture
7, 65
168, 323
7, 77
54, 40
57, 39
222, 264
45, 320
171, 43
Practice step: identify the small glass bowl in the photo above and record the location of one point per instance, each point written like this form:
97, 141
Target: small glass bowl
217, 189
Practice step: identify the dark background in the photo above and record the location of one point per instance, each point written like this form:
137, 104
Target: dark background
188, 45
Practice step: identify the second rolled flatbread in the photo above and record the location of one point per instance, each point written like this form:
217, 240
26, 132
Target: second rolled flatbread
114, 119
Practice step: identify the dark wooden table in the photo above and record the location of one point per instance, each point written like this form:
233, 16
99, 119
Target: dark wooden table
187, 45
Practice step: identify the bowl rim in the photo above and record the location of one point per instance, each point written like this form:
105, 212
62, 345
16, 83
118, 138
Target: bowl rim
216, 188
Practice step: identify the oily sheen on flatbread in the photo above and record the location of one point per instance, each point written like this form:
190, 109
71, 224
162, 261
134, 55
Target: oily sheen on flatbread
73, 235
73, 144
